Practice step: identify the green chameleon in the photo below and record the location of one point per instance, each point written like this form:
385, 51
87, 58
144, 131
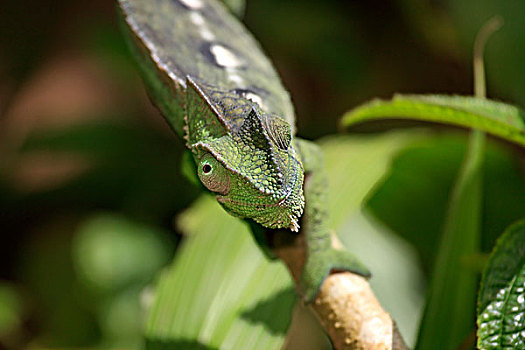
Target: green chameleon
219, 92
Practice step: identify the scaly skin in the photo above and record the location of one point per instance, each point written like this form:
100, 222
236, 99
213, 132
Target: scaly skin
237, 120
321, 256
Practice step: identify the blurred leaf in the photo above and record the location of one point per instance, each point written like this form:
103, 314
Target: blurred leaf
65, 317
498, 118
504, 196
121, 320
11, 309
221, 292
447, 320
501, 303
397, 278
355, 165
413, 198
111, 252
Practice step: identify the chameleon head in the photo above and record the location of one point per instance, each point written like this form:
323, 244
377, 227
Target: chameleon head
247, 160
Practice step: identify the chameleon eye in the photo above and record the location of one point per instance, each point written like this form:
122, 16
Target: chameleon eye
214, 175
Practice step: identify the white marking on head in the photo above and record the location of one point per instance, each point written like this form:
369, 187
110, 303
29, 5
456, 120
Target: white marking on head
206, 34
199, 21
193, 4
224, 57
235, 78
255, 98
196, 18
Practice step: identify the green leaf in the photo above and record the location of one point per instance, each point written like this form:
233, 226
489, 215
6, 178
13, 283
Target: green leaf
448, 316
413, 198
221, 292
11, 310
112, 253
498, 118
355, 165
501, 303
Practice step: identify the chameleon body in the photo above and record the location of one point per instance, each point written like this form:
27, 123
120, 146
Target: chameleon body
218, 91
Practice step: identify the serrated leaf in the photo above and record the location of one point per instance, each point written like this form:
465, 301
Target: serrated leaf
497, 118
501, 303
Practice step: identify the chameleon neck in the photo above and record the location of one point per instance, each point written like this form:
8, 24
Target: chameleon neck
315, 219
321, 257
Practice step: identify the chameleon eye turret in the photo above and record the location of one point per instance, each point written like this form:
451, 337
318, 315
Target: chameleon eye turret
213, 175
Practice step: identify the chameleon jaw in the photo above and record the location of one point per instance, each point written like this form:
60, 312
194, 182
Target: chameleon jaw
265, 217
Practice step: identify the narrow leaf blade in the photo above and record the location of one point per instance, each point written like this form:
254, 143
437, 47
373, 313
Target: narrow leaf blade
449, 314
501, 303
220, 292
497, 118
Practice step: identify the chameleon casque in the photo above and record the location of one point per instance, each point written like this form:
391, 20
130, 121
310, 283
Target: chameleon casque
218, 91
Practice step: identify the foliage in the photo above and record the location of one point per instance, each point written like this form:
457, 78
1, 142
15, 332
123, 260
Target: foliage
221, 292
498, 118
501, 302
90, 178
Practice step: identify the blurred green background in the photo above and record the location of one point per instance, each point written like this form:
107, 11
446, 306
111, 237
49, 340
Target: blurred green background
90, 181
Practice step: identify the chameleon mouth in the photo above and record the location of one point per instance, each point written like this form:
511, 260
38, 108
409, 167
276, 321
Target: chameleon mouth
286, 219
224, 199
279, 202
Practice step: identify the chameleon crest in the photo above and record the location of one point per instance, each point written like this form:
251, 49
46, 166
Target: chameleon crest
244, 156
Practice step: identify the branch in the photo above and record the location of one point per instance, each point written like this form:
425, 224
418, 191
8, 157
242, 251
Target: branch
346, 305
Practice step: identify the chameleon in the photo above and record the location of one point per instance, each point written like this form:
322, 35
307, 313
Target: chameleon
219, 92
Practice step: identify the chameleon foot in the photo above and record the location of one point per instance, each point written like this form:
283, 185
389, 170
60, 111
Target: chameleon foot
318, 267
